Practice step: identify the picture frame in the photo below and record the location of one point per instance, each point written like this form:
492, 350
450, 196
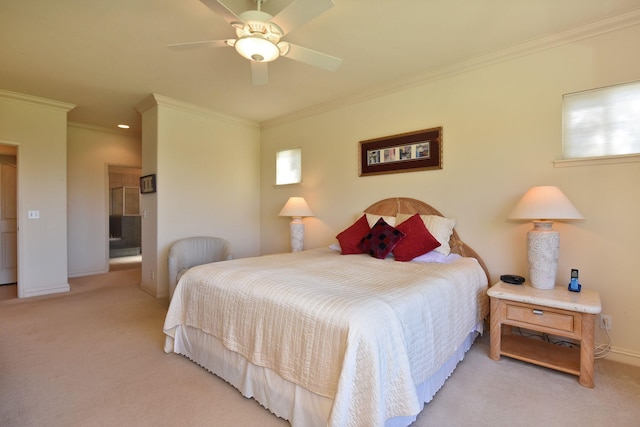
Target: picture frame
148, 184
406, 152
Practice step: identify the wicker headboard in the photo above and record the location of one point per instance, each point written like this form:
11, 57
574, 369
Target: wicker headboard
405, 205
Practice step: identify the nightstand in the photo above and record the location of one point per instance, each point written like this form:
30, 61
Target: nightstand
557, 312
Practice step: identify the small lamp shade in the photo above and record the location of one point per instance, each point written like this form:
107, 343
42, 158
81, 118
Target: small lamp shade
296, 208
544, 205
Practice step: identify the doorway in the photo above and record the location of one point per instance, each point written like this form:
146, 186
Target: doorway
125, 226
8, 222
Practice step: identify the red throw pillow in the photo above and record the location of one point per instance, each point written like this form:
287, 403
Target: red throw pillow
349, 239
418, 240
381, 240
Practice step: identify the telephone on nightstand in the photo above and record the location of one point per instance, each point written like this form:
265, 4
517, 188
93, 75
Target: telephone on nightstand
574, 285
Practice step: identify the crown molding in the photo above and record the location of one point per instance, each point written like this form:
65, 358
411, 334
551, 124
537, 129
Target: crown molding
160, 100
125, 132
30, 99
523, 49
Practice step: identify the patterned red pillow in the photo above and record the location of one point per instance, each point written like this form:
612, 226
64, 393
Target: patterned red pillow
418, 240
349, 239
381, 240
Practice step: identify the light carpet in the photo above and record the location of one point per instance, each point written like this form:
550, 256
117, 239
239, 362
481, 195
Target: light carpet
93, 357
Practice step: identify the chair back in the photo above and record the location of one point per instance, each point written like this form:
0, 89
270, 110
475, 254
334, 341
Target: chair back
191, 251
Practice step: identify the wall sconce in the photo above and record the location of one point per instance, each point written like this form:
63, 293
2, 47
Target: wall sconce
544, 205
296, 208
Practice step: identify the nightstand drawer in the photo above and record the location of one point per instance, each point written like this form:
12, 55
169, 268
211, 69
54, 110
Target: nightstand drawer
540, 317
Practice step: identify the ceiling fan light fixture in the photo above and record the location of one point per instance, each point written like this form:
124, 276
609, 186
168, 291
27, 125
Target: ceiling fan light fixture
256, 48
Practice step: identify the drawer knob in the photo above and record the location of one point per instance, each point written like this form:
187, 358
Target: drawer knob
539, 312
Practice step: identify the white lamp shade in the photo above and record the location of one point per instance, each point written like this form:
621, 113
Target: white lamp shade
545, 203
296, 207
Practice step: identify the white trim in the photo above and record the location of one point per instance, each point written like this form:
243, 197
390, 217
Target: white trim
39, 292
593, 161
156, 99
527, 48
36, 100
625, 356
296, 184
126, 132
9, 148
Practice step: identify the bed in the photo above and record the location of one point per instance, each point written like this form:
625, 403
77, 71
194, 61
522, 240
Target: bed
325, 339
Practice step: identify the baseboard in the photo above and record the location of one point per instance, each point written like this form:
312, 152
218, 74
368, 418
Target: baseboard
148, 289
625, 356
39, 292
88, 273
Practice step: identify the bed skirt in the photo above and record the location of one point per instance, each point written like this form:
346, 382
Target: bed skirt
287, 400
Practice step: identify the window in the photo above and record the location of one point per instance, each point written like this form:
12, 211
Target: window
602, 122
289, 166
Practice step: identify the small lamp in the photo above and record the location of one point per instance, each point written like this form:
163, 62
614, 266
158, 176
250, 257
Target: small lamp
544, 205
296, 208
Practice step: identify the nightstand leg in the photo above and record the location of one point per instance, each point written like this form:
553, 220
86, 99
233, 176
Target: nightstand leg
586, 350
495, 330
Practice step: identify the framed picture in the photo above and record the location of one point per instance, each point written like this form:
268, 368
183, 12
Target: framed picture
406, 152
148, 184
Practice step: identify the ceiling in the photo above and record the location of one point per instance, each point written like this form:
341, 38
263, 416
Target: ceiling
108, 56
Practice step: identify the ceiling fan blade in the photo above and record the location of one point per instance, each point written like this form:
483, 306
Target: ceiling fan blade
222, 10
197, 45
311, 57
300, 12
259, 73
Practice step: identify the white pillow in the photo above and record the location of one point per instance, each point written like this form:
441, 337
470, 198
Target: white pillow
437, 257
372, 219
440, 227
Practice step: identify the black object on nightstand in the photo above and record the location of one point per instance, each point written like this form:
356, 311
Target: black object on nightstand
512, 278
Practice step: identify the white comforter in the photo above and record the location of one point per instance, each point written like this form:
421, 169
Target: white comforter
353, 328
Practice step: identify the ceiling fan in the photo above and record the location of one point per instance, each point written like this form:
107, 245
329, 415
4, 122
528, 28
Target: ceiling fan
259, 35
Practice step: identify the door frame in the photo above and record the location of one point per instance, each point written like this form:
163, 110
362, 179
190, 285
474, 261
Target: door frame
12, 148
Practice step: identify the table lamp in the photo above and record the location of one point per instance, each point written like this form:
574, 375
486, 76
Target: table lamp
544, 205
296, 208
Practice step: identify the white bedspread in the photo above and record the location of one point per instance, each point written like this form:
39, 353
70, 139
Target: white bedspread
353, 328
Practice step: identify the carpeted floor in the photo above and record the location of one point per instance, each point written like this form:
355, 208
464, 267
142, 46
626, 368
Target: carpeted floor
93, 357
10, 291
125, 262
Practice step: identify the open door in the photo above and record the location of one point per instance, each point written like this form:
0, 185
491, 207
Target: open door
8, 221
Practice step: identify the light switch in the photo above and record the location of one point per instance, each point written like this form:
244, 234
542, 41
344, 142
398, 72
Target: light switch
33, 214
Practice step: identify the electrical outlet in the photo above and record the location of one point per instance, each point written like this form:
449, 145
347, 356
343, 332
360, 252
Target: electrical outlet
605, 322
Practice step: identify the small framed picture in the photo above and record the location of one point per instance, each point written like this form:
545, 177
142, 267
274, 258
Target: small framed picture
408, 152
148, 184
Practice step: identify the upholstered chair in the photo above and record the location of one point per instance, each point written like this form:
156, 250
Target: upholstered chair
191, 251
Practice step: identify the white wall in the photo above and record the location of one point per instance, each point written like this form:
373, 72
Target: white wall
39, 128
207, 166
90, 151
502, 132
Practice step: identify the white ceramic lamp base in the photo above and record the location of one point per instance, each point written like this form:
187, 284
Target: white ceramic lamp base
296, 230
544, 246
